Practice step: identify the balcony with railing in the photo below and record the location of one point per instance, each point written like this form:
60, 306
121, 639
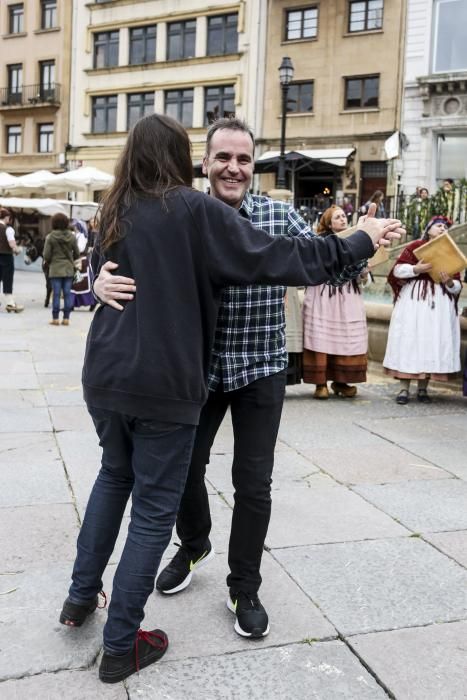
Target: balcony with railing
30, 96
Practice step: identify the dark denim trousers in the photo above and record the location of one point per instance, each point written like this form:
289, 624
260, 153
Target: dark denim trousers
61, 284
256, 412
7, 271
148, 460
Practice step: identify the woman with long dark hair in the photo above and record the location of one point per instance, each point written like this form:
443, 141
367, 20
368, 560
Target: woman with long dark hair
145, 368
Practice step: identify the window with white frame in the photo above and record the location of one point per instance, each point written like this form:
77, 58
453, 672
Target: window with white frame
13, 138
45, 138
222, 35
139, 105
301, 23
106, 49
219, 101
179, 105
16, 18
104, 114
365, 15
181, 37
48, 14
143, 44
449, 40
452, 156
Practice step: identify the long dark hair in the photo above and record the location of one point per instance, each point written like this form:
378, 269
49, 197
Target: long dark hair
155, 159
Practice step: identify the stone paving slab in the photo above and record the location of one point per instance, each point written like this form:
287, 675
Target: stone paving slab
380, 585
69, 685
290, 469
18, 420
419, 663
72, 396
32, 640
61, 382
199, 624
18, 449
450, 455
71, 418
308, 516
422, 506
304, 435
23, 398
39, 534
411, 429
326, 671
19, 381
17, 362
454, 544
385, 464
33, 481
58, 366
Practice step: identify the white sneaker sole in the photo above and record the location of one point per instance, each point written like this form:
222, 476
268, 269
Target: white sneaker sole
186, 581
237, 627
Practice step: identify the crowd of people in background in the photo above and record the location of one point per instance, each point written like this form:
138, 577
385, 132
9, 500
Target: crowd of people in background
328, 339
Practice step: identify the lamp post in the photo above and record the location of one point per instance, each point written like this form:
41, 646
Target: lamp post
285, 77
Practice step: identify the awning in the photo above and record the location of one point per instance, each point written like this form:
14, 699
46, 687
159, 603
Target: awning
46, 207
333, 156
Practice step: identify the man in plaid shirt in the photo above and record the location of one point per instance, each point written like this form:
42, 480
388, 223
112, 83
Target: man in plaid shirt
247, 374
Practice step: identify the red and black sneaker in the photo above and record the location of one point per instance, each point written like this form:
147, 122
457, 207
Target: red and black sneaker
148, 648
74, 614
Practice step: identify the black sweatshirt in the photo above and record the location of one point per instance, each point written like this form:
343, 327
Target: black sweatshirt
151, 360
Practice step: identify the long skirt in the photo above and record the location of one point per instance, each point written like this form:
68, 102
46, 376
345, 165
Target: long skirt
82, 291
321, 367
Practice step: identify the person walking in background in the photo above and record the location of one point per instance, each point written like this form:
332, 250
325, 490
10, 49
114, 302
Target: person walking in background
376, 198
8, 249
424, 332
335, 331
146, 370
81, 290
60, 252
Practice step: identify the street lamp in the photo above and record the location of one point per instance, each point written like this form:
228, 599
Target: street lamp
285, 78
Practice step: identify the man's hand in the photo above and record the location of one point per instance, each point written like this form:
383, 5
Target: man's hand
421, 267
109, 287
381, 231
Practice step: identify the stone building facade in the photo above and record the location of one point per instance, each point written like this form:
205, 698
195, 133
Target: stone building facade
345, 94
434, 119
35, 45
189, 59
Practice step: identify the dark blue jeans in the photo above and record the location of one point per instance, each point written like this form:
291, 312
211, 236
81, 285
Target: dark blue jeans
61, 284
148, 460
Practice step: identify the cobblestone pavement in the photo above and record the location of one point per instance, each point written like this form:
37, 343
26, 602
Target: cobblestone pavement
364, 575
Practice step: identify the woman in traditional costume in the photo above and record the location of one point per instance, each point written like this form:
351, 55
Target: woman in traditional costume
424, 333
334, 324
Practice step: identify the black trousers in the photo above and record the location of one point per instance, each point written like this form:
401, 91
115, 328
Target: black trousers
256, 412
7, 270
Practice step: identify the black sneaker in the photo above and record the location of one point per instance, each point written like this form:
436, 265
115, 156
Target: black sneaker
148, 648
177, 575
251, 617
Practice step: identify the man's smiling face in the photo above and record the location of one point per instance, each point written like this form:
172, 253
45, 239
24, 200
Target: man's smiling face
229, 165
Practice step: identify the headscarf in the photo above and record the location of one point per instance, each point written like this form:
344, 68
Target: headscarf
438, 219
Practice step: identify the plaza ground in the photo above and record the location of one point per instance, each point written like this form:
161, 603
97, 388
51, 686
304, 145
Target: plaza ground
364, 574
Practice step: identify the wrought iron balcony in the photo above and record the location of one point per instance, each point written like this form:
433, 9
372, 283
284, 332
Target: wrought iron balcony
30, 95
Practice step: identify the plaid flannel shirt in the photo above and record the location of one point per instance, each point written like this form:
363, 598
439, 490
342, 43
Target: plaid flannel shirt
250, 335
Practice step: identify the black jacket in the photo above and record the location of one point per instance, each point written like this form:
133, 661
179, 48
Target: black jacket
151, 360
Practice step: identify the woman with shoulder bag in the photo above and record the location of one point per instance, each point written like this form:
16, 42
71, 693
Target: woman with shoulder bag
61, 253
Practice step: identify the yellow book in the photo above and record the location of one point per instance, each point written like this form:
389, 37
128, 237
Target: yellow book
443, 254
